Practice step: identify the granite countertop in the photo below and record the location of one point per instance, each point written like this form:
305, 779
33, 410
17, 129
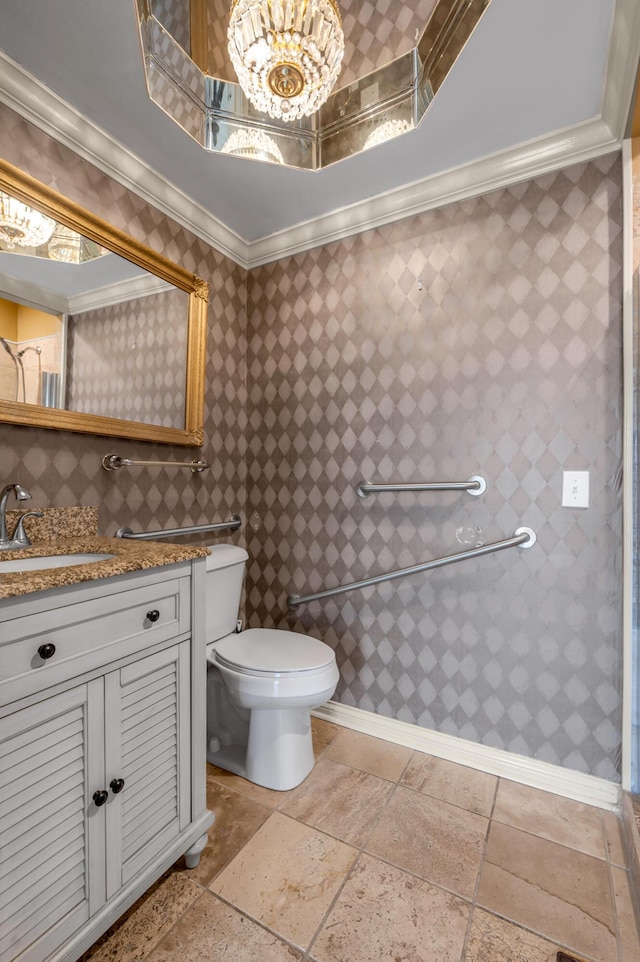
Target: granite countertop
74, 530
129, 556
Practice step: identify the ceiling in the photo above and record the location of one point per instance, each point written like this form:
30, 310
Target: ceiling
539, 85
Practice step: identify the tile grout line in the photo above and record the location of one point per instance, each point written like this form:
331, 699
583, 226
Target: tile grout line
361, 851
259, 923
155, 945
612, 889
474, 903
474, 897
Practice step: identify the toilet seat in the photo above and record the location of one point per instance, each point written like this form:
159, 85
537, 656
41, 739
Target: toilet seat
272, 652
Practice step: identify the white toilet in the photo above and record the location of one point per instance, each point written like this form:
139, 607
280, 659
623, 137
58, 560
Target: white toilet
261, 685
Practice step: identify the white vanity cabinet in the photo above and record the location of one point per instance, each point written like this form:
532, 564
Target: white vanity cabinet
102, 753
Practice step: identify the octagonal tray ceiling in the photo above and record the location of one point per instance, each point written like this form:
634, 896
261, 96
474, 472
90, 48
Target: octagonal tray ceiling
540, 84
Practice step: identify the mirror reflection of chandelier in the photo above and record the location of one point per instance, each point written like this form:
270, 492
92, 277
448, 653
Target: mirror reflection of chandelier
247, 142
65, 245
22, 225
387, 131
69, 246
287, 54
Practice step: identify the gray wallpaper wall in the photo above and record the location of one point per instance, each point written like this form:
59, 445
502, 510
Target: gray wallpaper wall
485, 338
128, 360
482, 338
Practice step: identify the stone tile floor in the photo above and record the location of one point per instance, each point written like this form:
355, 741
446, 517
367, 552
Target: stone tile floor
384, 853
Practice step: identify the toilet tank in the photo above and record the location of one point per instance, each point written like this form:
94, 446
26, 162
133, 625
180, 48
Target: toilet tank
225, 573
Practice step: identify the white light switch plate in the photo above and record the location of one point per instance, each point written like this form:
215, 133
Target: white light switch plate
575, 489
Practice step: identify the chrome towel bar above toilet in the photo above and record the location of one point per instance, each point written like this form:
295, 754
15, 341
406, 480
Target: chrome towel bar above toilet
522, 538
233, 523
474, 485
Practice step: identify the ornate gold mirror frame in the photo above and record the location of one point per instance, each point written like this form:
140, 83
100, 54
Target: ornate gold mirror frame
25, 188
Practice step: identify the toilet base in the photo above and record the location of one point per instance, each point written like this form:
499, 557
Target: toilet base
279, 753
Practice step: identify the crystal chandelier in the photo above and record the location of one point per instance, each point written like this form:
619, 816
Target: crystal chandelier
246, 142
71, 247
286, 53
65, 245
22, 225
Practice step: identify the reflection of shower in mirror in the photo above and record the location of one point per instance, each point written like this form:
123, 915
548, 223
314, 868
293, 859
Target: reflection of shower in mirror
33, 346
16, 357
3, 389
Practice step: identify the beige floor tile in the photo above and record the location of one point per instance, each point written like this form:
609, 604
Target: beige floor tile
286, 877
435, 840
495, 940
237, 819
323, 734
373, 755
613, 838
214, 932
265, 796
627, 923
340, 801
556, 891
384, 914
136, 933
550, 816
453, 783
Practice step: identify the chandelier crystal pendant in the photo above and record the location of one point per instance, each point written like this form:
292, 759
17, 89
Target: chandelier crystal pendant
287, 54
22, 225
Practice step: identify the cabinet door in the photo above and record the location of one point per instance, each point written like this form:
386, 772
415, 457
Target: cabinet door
148, 717
51, 762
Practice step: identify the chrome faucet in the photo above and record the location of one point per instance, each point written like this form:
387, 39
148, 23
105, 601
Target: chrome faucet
21, 495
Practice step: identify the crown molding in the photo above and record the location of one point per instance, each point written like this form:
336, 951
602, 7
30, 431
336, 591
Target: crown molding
127, 290
41, 298
585, 141
33, 295
33, 101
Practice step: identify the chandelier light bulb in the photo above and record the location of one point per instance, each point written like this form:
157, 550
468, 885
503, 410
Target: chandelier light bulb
22, 225
287, 54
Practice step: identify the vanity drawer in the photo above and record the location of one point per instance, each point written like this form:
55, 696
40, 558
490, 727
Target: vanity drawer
63, 642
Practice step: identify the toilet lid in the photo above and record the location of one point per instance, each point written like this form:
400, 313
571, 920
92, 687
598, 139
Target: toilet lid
271, 650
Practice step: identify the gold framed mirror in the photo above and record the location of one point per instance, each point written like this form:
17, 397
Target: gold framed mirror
120, 307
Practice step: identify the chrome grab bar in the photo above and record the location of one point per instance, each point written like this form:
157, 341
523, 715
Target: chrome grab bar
522, 538
232, 523
475, 485
113, 462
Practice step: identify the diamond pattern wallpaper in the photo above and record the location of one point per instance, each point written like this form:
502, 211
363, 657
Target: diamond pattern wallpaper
62, 468
128, 360
480, 338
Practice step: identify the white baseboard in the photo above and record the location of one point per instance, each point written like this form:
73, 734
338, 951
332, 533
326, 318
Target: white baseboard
518, 768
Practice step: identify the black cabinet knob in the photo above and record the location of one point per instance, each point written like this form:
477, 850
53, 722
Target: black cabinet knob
116, 785
100, 797
153, 615
47, 651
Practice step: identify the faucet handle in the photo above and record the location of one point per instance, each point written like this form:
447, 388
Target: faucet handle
20, 536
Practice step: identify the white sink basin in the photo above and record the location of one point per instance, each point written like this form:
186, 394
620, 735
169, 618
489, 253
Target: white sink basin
52, 561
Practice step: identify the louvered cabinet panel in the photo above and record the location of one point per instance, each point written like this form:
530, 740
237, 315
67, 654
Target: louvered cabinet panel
148, 746
50, 762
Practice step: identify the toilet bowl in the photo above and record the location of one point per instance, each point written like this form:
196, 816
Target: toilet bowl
261, 685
